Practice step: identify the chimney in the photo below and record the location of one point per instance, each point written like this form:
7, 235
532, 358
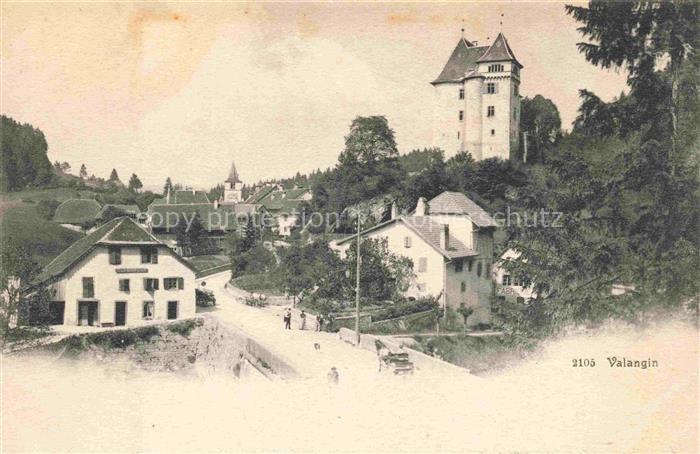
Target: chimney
445, 237
422, 207
394, 210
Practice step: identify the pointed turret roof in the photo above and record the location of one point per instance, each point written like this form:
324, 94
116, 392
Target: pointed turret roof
499, 51
462, 60
233, 175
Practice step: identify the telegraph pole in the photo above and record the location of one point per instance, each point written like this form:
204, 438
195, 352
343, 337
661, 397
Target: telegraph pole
357, 285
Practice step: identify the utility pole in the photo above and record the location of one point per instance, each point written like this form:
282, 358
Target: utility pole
357, 285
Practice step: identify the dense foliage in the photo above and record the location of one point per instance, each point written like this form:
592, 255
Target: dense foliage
625, 182
23, 160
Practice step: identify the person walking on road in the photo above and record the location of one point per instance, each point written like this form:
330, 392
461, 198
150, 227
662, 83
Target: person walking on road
302, 323
319, 322
288, 319
333, 376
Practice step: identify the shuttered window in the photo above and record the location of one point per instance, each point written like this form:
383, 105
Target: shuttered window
115, 255
88, 287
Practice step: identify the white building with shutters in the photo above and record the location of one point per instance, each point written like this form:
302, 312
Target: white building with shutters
119, 275
477, 101
449, 239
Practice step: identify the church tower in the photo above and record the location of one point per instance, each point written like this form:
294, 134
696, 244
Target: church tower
233, 187
477, 101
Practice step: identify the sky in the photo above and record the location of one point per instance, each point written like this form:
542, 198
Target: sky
182, 89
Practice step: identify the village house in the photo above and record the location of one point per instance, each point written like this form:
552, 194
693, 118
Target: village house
119, 275
284, 206
218, 218
450, 241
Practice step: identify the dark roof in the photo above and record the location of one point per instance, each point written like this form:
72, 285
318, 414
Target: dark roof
183, 196
121, 230
77, 211
429, 231
233, 174
261, 194
499, 51
463, 59
457, 203
225, 217
126, 209
295, 193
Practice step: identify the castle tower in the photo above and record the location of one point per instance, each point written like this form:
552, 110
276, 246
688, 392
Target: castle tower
477, 101
233, 187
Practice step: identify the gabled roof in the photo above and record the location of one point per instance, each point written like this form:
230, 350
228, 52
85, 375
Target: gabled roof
261, 194
183, 196
463, 59
499, 51
77, 211
457, 203
122, 231
225, 217
429, 231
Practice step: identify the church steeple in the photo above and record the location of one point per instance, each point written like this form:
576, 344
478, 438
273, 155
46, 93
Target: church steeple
233, 187
233, 175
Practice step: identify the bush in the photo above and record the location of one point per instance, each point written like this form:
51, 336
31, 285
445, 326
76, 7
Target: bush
47, 208
147, 332
405, 308
205, 298
259, 283
112, 339
185, 327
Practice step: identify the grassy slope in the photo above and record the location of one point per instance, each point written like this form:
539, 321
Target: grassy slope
20, 222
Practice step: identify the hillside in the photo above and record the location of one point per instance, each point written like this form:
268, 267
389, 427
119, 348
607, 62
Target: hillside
20, 222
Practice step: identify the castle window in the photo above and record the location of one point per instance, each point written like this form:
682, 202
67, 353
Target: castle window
491, 88
515, 113
461, 93
515, 90
459, 265
506, 279
495, 68
490, 111
407, 241
457, 135
461, 115
493, 132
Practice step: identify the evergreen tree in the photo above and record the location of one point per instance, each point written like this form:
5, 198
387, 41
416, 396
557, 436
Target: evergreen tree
134, 183
83, 172
114, 177
168, 186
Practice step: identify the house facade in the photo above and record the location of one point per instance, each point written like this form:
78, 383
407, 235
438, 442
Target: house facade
450, 241
283, 206
477, 101
119, 275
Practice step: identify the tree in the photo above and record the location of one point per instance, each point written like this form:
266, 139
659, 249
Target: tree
540, 119
168, 187
312, 267
428, 183
23, 160
648, 39
188, 233
19, 302
47, 208
114, 177
465, 312
383, 274
134, 183
61, 167
83, 172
